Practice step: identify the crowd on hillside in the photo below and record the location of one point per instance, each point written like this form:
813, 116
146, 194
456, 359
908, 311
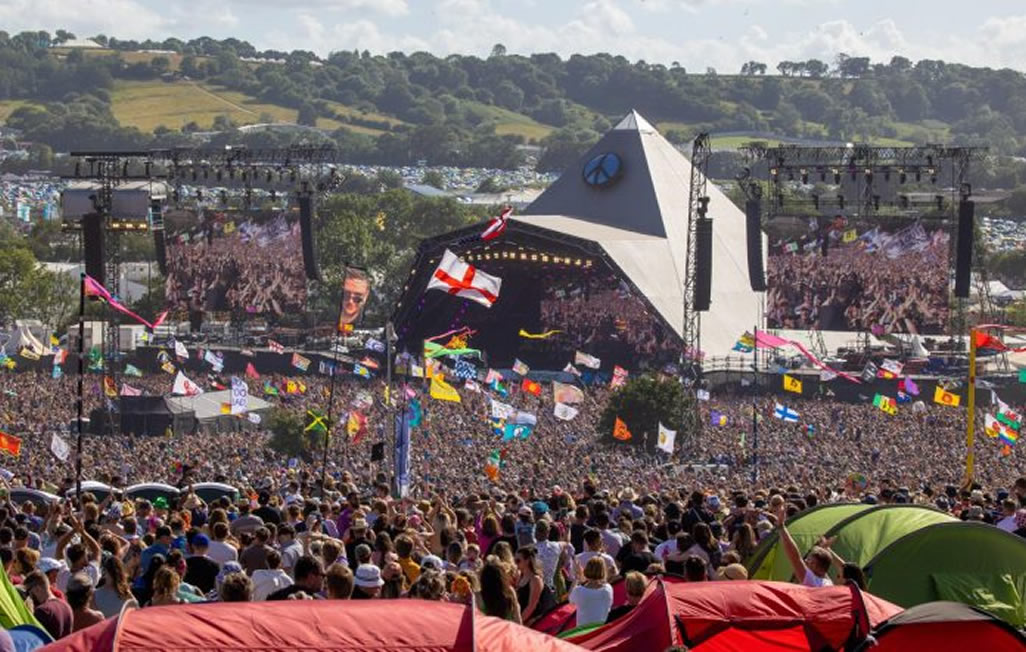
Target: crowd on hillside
567, 512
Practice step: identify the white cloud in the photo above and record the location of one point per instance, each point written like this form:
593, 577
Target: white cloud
386, 7
124, 18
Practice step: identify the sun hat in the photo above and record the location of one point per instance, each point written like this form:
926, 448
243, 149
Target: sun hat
432, 561
732, 572
368, 575
627, 495
47, 564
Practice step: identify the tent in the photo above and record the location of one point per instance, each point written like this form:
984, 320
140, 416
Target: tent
973, 563
769, 562
749, 615
942, 626
861, 532
406, 625
208, 414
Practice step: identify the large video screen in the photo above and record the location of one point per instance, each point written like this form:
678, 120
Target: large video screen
546, 311
858, 275
240, 262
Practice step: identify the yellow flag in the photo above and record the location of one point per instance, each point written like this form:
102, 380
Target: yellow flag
226, 408
229, 227
792, 384
443, 391
388, 395
301, 386
538, 336
946, 398
290, 387
849, 236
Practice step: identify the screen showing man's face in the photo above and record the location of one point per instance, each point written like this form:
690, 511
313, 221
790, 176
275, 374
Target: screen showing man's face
355, 293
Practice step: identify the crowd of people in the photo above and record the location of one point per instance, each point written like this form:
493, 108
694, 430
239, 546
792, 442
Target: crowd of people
568, 511
245, 267
853, 289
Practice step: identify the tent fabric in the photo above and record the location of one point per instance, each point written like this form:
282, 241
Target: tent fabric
769, 562
387, 625
973, 563
862, 535
694, 613
944, 626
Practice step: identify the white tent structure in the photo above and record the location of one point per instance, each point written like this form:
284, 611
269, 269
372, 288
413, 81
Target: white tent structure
640, 221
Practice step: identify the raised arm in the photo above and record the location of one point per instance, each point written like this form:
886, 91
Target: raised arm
790, 547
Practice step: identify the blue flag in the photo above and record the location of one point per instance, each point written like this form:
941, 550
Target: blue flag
361, 370
498, 426
57, 373
464, 370
516, 431
415, 413
402, 452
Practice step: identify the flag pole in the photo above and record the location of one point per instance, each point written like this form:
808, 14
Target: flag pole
755, 409
78, 402
331, 385
971, 407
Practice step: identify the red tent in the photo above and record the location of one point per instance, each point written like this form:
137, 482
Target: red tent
942, 626
747, 615
389, 625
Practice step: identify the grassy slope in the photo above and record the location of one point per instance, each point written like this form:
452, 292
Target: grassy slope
510, 122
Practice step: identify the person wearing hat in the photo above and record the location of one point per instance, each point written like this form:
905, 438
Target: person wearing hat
367, 582
627, 498
201, 570
359, 533
51, 568
732, 572
524, 528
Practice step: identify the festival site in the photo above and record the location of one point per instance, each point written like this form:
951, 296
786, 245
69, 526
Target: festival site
460, 325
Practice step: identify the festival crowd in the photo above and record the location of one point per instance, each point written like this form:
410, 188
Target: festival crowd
567, 512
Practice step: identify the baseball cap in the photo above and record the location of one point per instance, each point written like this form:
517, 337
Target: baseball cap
47, 564
200, 541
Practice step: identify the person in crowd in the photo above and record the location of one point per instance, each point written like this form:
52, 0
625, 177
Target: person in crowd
165, 587
813, 569
497, 595
308, 580
594, 597
338, 582
52, 613
201, 569
114, 589
367, 582
236, 587
271, 579
535, 598
80, 596
635, 584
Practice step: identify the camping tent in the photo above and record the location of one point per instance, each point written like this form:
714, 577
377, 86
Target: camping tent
861, 532
407, 625
769, 562
972, 563
944, 626
737, 614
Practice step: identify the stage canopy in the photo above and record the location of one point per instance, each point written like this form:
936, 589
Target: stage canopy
601, 255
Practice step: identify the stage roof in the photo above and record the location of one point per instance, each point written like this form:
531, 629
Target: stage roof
208, 404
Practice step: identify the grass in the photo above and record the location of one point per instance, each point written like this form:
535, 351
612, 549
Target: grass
511, 122
7, 107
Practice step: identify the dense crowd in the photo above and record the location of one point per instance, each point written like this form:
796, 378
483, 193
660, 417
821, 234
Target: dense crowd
567, 512
853, 290
217, 271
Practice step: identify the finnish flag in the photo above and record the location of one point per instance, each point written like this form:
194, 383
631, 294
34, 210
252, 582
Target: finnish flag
785, 413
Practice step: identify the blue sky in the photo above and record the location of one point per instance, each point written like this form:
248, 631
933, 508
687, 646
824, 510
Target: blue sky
697, 33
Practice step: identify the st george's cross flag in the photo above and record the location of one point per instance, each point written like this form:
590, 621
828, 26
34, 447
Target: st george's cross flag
497, 224
456, 277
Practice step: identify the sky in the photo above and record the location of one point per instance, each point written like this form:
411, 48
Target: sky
698, 34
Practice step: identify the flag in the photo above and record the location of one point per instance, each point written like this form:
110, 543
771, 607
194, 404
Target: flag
892, 367
251, 371
131, 370
374, 345
1007, 415
291, 387
869, 372
620, 430
275, 346
792, 384
564, 412
908, 386
717, 418
885, 403
570, 369
185, 387
785, 413
441, 391
28, 354
903, 397
745, 343
56, 373
502, 410
457, 278
497, 225
416, 414
463, 369
128, 390
586, 360
323, 367
1022, 375
492, 465
666, 439
531, 387
1008, 436
240, 396
299, 362
59, 447
992, 427
269, 389
168, 367
181, 351
348, 328
470, 385
702, 394
316, 422
946, 398
538, 336
524, 418
492, 376
562, 393
356, 426
403, 423
520, 368
361, 371
10, 444
93, 289
498, 387
226, 408
60, 355
109, 388
516, 431
619, 376
215, 360
851, 235
498, 426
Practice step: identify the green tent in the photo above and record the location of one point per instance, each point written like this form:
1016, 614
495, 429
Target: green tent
972, 563
861, 536
769, 562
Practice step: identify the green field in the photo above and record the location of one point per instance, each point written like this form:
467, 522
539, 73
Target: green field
510, 122
7, 107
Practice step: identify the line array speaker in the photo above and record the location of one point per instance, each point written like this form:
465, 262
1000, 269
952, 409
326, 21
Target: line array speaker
92, 245
964, 251
306, 211
159, 244
703, 258
753, 228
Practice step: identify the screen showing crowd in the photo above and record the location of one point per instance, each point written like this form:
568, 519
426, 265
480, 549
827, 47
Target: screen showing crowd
236, 262
851, 275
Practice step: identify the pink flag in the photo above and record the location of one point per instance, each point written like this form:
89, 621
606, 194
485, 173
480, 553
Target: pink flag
766, 340
128, 390
94, 289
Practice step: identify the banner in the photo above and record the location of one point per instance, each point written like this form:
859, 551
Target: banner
562, 393
619, 376
60, 448
240, 396
299, 362
356, 289
586, 360
402, 453
666, 439
564, 412
502, 410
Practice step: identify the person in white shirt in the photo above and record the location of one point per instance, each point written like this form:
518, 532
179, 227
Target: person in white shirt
593, 548
812, 570
291, 549
219, 550
1007, 520
82, 557
268, 580
594, 597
